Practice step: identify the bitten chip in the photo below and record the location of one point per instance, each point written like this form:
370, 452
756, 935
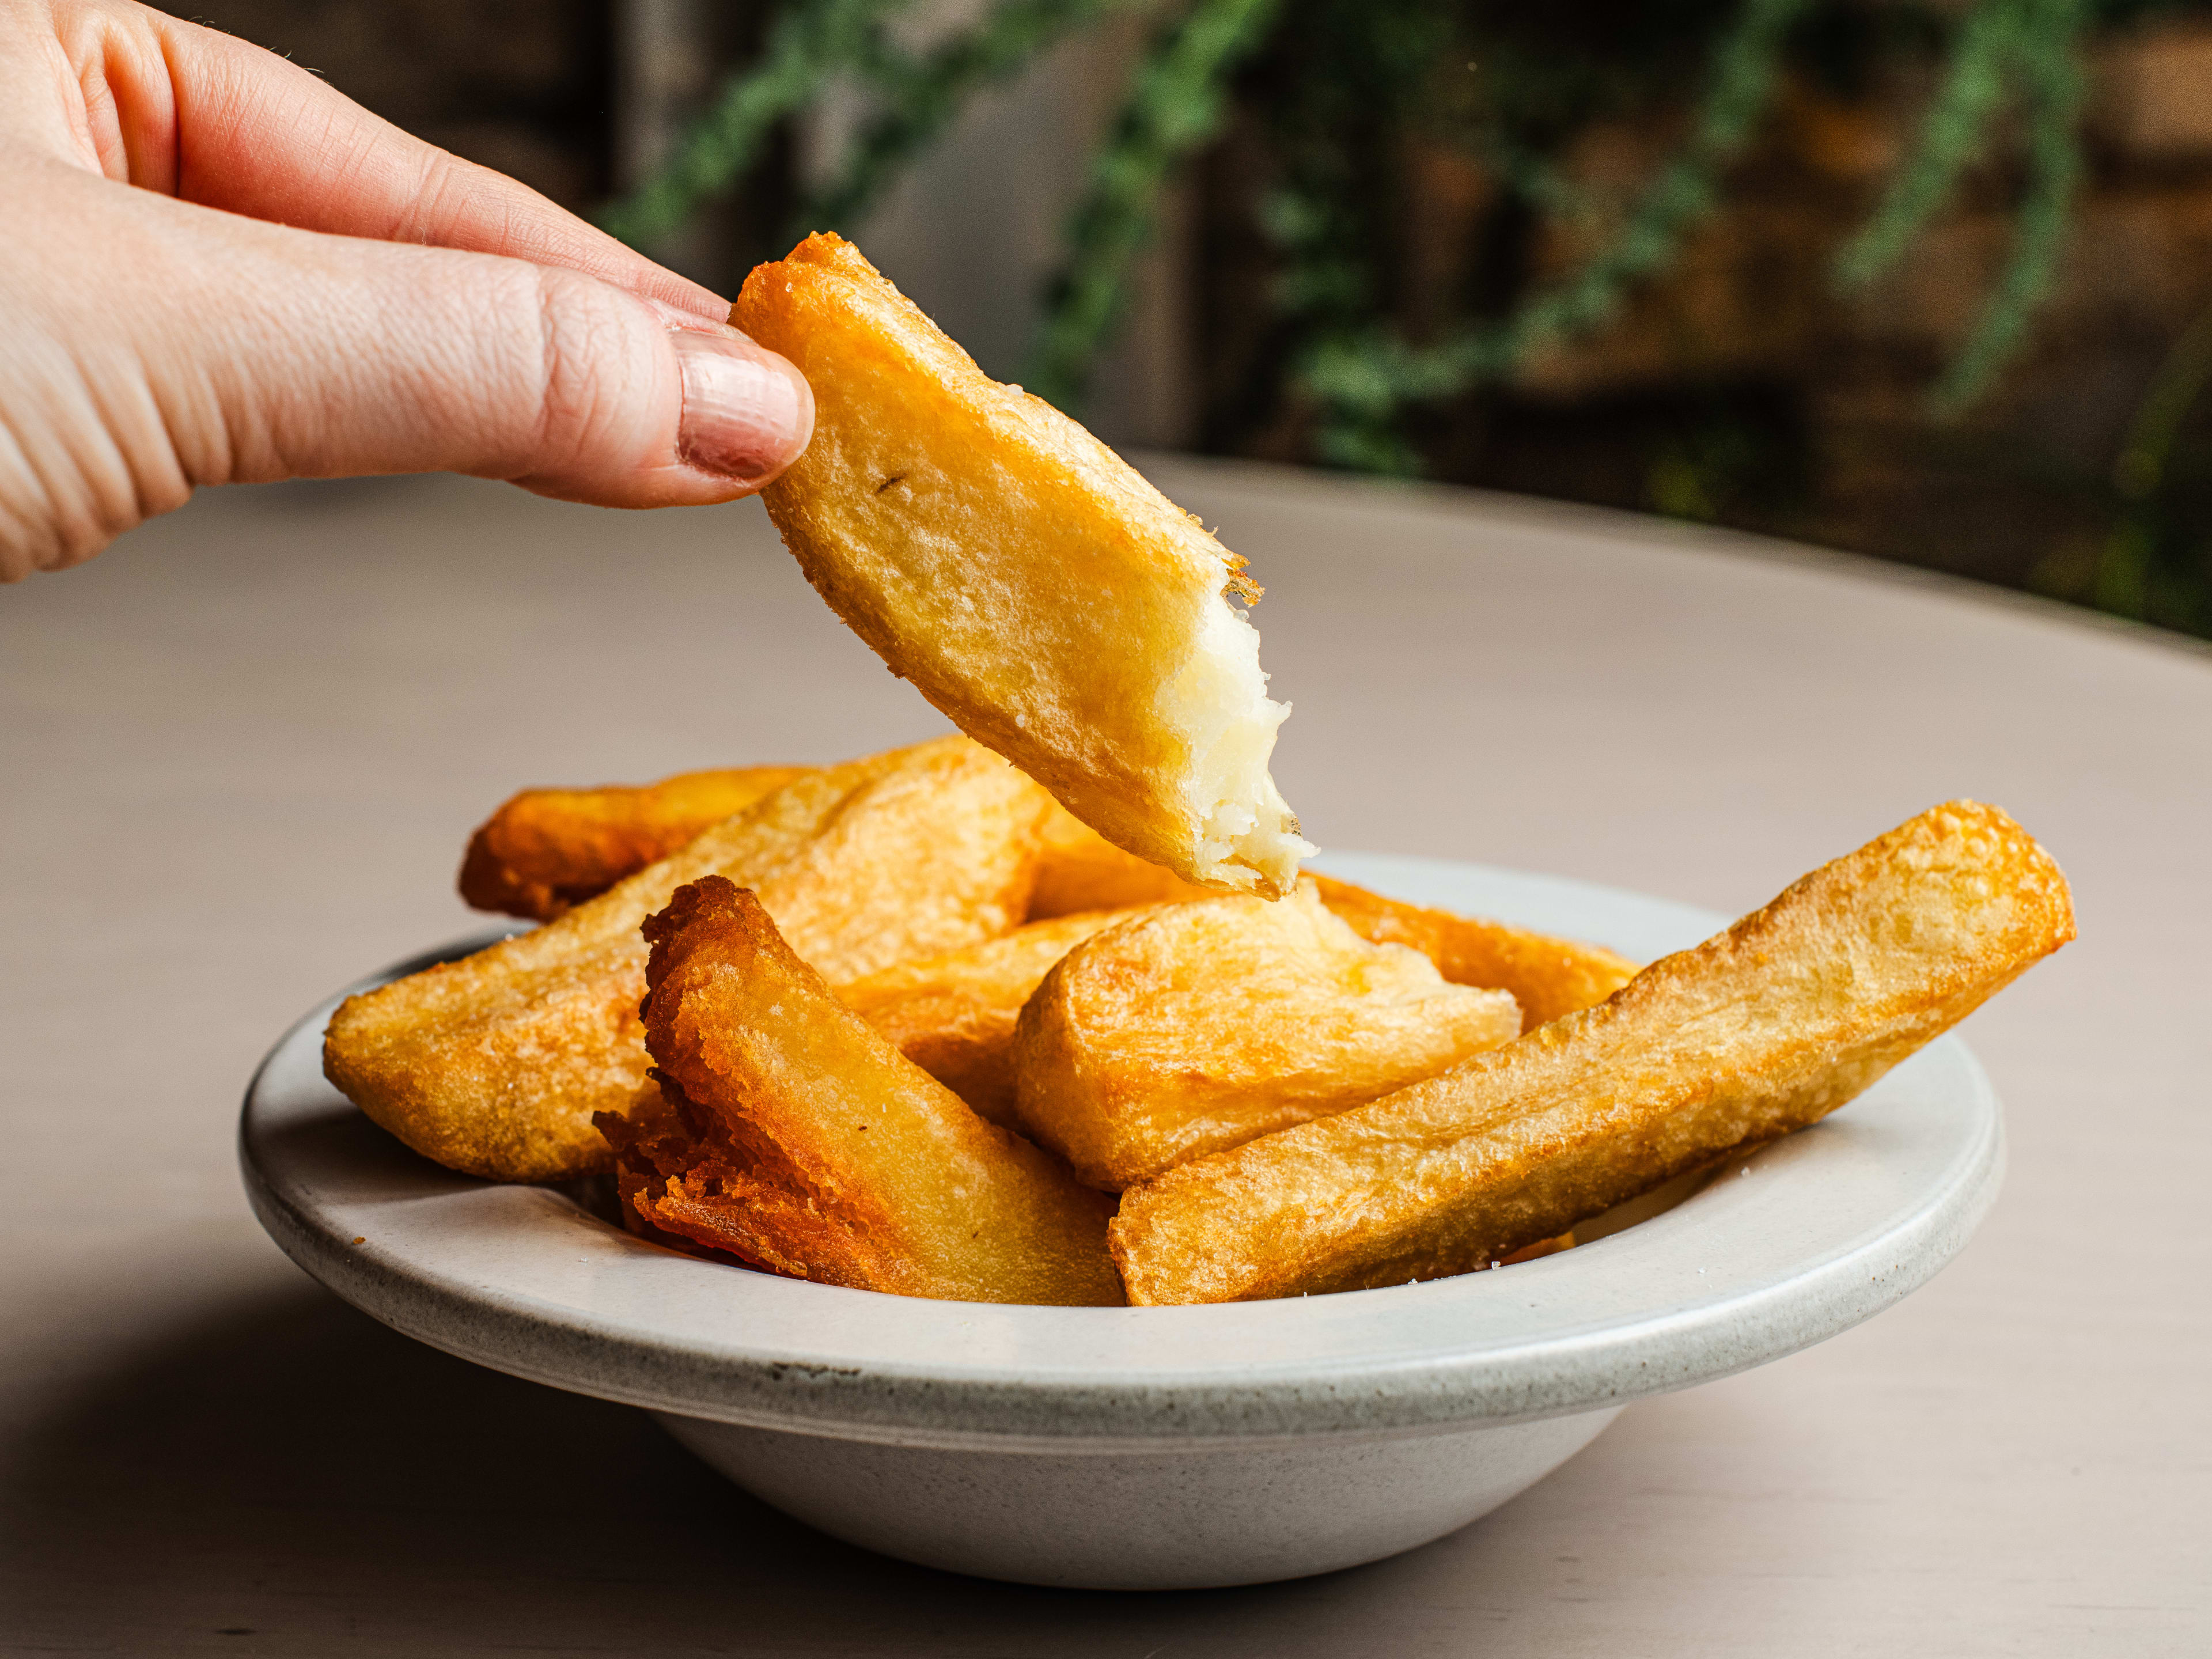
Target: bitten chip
1191, 1028
1762, 1029
1028, 581
799, 1139
494, 1064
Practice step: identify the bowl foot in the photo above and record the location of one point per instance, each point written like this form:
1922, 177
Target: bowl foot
1183, 1518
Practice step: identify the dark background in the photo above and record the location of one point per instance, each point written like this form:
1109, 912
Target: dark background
1738, 387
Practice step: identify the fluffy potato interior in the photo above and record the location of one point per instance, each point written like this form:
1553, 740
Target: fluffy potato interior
545, 851
1028, 581
494, 1064
803, 1141
953, 1015
1761, 1030
1191, 1028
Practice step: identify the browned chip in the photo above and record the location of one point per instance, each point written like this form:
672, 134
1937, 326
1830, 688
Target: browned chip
797, 1138
1549, 976
546, 851
1761, 1030
1191, 1028
1025, 578
494, 1064
1081, 871
953, 1015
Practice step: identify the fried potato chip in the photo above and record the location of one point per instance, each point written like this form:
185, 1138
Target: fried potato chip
1548, 976
1027, 580
494, 1064
1762, 1029
1081, 871
797, 1138
1191, 1028
953, 1015
546, 851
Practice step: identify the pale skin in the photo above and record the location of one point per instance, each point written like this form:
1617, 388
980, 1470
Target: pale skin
215, 269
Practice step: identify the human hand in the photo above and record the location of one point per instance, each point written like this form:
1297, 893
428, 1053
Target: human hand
214, 268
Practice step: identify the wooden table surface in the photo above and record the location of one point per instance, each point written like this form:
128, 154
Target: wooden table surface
239, 755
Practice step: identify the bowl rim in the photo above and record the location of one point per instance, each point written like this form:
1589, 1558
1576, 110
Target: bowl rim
1785, 1248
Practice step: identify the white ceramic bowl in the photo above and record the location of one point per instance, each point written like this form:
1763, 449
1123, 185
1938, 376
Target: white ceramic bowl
1149, 1448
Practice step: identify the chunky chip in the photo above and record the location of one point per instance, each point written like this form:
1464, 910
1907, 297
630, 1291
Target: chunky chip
1548, 976
545, 851
1762, 1029
1028, 581
953, 1015
494, 1064
796, 1137
1191, 1028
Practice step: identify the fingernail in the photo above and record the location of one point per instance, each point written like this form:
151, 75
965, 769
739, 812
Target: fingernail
747, 413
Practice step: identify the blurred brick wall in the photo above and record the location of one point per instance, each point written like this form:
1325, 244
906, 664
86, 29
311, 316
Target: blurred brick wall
1750, 313
1742, 387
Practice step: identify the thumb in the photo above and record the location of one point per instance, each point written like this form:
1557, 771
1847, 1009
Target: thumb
227, 350
349, 357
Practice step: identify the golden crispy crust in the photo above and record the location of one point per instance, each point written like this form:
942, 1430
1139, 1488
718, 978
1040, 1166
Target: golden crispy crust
1032, 585
1548, 976
794, 1136
1081, 871
493, 1065
953, 1015
1189, 1028
1762, 1029
545, 851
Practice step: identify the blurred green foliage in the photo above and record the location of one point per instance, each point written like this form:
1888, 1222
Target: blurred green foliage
2155, 564
1335, 88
